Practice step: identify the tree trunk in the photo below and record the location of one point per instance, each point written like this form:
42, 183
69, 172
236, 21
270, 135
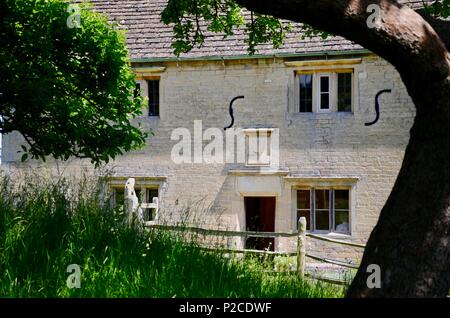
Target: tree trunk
411, 241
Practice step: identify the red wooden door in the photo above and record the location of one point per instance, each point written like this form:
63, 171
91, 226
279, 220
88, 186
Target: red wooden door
260, 217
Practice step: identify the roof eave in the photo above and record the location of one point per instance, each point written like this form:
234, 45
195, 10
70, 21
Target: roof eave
246, 56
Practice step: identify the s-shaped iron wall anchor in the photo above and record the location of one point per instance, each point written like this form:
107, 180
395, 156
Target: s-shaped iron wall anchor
231, 111
377, 106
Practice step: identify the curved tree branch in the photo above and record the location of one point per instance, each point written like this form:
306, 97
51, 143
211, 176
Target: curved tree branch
442, 27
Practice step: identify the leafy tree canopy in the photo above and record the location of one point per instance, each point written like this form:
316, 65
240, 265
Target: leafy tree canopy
191, 18
67, 87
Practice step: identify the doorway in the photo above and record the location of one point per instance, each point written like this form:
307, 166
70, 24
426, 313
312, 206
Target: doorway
260, 217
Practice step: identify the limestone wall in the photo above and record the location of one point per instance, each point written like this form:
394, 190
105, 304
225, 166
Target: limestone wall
311, 144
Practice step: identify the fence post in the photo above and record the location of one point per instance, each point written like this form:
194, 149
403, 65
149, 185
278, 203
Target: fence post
301, 247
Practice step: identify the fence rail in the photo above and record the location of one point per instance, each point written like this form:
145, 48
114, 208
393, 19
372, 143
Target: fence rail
327, 239
203, 231
233, 233
301, 246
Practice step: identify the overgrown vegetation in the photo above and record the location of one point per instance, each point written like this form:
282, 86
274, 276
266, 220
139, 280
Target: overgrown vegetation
43, 229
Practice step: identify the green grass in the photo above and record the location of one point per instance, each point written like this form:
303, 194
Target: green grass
44, 228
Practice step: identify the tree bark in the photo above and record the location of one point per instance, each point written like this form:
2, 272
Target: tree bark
411, 241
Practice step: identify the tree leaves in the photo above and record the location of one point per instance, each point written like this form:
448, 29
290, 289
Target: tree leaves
438, 8
68, 90
191, 18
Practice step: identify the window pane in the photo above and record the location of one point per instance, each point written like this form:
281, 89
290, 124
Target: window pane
137, 90
138, 194
305, 93
153, 97
307, 215
151, 193
322, 220
149, 214
119, 197
322, 199
324, 84
345, 92
303, 199
342, 221
324, 101
341, 199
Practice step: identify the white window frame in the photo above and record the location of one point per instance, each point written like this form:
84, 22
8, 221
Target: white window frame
331, 91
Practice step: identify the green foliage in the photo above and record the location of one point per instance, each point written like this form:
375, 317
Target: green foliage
68, 91
191, 18
309, 32
438, 8
45, 228
263, 29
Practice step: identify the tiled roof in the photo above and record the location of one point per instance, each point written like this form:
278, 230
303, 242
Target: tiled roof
149, 38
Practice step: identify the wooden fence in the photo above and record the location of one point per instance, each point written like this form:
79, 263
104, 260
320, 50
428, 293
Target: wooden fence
301, 235
300, 253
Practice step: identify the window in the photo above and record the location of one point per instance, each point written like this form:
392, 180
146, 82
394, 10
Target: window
150, 214
153, 97
325, 210
145, 195
260, 146
344, 92
306, 93
137, 90
325, 92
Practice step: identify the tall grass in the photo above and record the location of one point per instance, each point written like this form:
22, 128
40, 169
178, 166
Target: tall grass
46, 227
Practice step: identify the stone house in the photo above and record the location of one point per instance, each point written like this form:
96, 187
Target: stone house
305, 107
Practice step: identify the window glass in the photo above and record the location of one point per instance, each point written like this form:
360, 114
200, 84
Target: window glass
322, 210
323, 220
153, 98
304, 206
322, 199
137, 90
324, 92
306, 98
344, 92
341, 211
